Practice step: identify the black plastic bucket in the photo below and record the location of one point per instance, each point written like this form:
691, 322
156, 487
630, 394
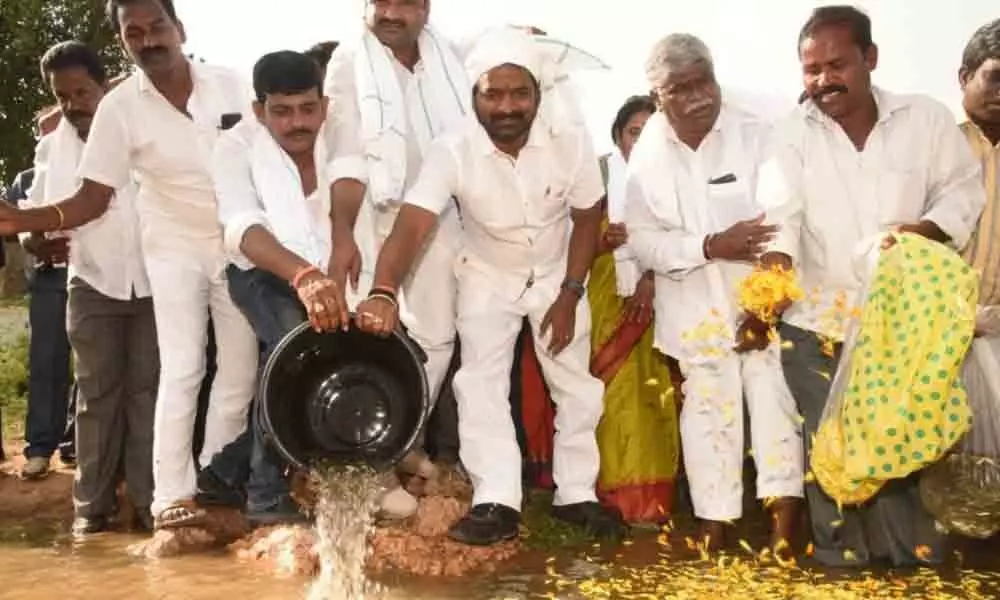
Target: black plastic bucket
343, 397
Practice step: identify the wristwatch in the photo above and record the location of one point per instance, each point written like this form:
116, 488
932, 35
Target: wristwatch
574, 286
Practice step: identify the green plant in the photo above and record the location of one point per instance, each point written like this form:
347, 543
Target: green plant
14, 384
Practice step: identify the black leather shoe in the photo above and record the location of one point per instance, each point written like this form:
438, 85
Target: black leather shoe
486, 524
90, 525
213, 491
597, 520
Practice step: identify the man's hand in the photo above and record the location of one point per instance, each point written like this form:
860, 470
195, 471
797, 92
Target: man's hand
752, 335
345, 260
324, 302
614, 237
927, 229
560, 319
377, 315
639, 307
10, 220
743, 242
49, 251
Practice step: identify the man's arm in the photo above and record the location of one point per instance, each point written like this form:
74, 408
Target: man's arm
343, 139
956, 196
428, 198
90, 201
245, 226
105, 166
781, 195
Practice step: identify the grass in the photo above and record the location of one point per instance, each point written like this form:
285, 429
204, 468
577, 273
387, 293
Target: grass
544, 533
14, 386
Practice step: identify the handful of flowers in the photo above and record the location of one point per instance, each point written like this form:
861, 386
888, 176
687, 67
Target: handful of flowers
763, 292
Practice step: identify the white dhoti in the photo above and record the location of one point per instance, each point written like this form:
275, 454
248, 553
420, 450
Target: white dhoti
189, 285
489, 323
711, 427
427, 296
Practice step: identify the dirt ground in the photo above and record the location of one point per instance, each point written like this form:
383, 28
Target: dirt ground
47, 501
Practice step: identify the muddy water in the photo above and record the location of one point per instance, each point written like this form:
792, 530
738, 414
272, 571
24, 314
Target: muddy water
36, 566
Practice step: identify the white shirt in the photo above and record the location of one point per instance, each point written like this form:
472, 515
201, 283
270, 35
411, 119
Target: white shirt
515, 212
137, 130
308, 233
834, 203
675, 197
106, 252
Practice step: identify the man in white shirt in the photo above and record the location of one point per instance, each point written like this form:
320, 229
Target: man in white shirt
399, 85
691, 217
273, 181
853, 163
529, 190
161, 124
110, 321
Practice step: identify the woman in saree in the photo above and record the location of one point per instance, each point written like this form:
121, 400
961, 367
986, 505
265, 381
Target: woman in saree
638, 435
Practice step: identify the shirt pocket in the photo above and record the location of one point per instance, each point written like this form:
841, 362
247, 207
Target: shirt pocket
729, 203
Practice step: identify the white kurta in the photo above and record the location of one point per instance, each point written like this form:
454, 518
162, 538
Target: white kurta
137, 131
834, 202
516, 215
674, 200
396, 113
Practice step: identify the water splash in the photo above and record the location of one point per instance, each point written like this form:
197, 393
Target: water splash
347, 499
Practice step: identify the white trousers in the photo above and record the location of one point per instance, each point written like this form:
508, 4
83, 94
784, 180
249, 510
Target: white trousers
187, 286
427, 296
712, 432
488, 326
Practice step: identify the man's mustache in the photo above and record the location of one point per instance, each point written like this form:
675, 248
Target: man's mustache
151, 53
829, 89
698, 107
384, 22
513, 116
302, 132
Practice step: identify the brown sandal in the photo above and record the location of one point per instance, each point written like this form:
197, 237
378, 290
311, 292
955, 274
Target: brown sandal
184, 513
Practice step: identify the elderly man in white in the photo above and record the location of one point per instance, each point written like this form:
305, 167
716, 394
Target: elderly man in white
853, 163
528, 185
160, 125
691, 218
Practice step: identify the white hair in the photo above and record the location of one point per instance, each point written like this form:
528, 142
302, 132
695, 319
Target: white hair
674, 52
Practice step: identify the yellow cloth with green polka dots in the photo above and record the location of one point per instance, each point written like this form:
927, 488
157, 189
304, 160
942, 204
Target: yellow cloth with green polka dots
903, 405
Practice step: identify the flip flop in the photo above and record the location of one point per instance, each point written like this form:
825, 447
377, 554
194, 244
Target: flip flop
181, 514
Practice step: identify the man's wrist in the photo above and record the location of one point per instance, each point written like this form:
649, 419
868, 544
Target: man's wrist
573, 287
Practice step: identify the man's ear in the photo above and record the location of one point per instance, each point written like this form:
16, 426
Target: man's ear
871, 57
258, 110
180, 29
325, 106
965, 75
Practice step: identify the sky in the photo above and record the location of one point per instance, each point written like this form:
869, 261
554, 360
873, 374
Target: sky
753, 42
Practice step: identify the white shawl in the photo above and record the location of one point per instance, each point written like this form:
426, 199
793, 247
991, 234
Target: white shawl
384, 122
279, 187
627, 272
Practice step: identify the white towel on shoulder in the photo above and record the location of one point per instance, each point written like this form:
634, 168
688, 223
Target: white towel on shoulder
445, 92
279, 186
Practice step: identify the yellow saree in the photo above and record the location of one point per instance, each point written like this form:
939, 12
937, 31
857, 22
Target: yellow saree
638, 435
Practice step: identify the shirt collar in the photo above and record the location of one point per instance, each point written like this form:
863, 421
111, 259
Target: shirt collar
146, 85
886, 103
721, 122
539, 135
970, 125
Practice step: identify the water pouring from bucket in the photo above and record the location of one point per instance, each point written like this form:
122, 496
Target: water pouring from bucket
344, 397
346, 406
